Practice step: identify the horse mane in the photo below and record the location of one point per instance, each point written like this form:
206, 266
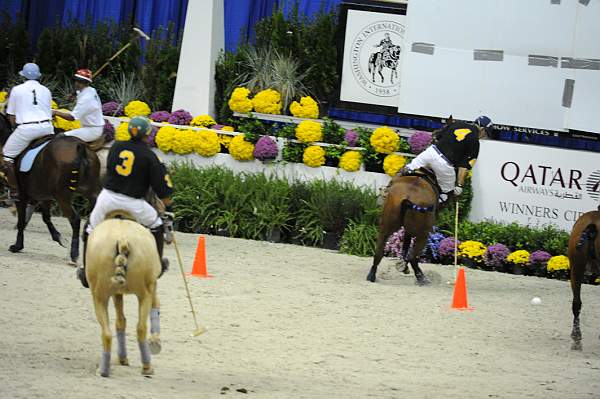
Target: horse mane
5, 128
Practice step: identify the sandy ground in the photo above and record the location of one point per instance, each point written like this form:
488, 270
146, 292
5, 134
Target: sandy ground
292, 322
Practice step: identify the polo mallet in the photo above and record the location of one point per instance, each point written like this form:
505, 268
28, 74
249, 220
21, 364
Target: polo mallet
456, 237
199, 329
139, 35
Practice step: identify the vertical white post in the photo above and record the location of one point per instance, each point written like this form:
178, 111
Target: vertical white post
203, 38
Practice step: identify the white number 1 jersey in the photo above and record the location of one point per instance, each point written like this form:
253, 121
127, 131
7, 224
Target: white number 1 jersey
30, 102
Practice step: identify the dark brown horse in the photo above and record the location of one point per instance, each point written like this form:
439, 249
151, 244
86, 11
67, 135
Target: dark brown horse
64, 167
411, 203
584, 244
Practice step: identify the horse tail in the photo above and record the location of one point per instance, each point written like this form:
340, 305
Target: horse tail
120, 262
409, 205
79, 172
588, 235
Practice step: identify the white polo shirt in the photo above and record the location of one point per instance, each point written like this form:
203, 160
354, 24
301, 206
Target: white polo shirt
30, 102
88, 109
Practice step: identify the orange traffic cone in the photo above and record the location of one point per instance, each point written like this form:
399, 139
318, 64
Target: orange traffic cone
459, 300
199, 267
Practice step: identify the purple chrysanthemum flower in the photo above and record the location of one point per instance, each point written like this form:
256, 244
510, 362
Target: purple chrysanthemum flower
112, 108
351, 137
447, 247
539, 258
108, 131
495, 255
180, 117
265, 149
432, 249
419, 142
160, 116
150, 138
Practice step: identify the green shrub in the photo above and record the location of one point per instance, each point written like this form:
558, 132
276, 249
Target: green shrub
14, 47
359, 239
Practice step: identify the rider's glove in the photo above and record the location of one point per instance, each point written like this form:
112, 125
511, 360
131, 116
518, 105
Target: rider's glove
167, 219
458, 190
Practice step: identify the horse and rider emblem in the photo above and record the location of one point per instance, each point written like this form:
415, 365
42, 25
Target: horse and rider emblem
375, 57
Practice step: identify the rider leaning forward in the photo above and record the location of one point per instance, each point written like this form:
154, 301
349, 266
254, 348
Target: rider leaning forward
131, 170
456, 146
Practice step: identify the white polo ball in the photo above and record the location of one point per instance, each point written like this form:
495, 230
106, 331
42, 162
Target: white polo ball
536, 301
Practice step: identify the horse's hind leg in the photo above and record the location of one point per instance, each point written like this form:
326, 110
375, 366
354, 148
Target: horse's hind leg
120, 325
22, 217
145, 303
47, 219
381, 240
64, 202
154, 341
405, 248
416, 250
577, 270
101, 307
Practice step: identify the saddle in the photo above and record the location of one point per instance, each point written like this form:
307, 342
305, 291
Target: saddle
25, 160
98, 144
427, 175
119, 214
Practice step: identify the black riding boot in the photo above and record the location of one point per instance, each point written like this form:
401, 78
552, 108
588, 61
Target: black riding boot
11, 178
159, 237
81, 271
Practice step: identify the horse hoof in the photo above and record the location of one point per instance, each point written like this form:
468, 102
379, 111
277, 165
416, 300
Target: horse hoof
15, 248
124, 362
576, 346
371, 277
147, 370
155, 346
423, 281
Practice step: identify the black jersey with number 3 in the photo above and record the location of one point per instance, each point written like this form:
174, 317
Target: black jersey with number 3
132, 168
459, 142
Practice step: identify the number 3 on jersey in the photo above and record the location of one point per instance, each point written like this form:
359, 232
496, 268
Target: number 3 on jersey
127, 158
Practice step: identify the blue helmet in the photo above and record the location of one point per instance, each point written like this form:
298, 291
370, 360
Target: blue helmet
30, 71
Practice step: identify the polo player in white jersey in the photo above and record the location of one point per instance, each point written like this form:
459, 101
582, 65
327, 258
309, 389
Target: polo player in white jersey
88, 109
30, 109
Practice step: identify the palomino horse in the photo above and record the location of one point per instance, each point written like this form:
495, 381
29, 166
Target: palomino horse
121, 258
411, 203
584, 246
64, 167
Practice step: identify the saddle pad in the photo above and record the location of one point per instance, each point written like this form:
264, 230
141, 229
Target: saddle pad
27, 160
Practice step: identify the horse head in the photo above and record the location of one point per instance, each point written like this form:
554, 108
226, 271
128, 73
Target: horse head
395, 52
5, 129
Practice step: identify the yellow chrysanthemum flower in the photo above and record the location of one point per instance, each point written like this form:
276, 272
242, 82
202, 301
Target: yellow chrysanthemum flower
164, 138
61, 123
307, 108
3, 96
519, 257
384, 140
203, 121
556, 263
267, 102
241, 149
472, 249
137, 108
309, 131
350, 161
122, 132
239, 101
314, 156
393, 163
207, 143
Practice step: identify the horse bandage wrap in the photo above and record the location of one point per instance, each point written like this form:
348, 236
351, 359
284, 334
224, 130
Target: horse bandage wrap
145, 352
122, 348
105, 364
155, 321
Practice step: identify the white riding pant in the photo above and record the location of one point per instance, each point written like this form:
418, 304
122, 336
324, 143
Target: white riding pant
86, 133
444, 172
22, 136
109, 201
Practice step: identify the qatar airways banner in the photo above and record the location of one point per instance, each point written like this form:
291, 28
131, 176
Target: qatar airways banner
534, 185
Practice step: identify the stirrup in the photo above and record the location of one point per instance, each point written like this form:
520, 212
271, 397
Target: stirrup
164, 266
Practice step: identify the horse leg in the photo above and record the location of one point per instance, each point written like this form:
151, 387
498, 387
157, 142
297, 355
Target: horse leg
120, 325
21, 218
405, 249
420, 243
381, 240
46, 218
64, 202
101, 307
145, 303
379, 69
577, 271
154, 341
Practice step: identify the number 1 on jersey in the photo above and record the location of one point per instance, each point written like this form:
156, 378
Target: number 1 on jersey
127, 158
34, 97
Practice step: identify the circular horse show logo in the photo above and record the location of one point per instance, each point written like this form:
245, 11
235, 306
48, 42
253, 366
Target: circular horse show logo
592, 185
375, 57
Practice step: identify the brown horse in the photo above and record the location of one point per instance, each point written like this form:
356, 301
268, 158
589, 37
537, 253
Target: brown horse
64, 167
584, 244
411, 203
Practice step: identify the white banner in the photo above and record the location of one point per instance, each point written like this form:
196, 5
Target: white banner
373, 49
534, 185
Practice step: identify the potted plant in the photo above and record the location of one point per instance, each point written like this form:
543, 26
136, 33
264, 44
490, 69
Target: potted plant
495, 257
537, 263
559, 267
471, 254
447, 250
265, 149
518, 261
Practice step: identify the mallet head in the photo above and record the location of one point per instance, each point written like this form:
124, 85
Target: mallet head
141, 33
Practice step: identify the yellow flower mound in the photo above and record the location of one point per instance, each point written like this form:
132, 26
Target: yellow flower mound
207, 143
240, 149
556, 263
54, 104
137, 108
122, 132
393, 163
203, 121
61, 123
239, 101
225, 140
309, 131
228, 129
164, 138
267, 102
350, 161
183, 141
307, 108
473, 250
3, 96
519, 257
384, 140
314, 156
